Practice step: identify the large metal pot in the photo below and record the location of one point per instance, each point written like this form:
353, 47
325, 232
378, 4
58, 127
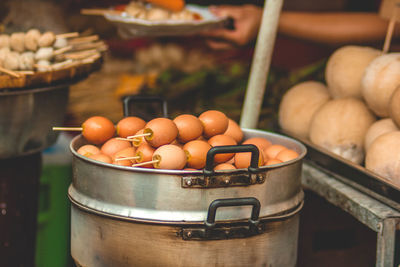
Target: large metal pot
26, 118
124, 216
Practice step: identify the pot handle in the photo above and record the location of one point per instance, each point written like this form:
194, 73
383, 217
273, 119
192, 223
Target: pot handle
234, 202
209, 170
130, 99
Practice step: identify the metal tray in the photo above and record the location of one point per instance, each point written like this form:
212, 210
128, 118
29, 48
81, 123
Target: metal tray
352, 174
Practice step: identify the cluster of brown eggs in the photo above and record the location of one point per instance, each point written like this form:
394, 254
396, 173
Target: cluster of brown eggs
177, 144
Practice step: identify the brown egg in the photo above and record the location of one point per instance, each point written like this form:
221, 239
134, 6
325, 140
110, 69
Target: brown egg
88, 150
129, 126
272, 162
98, 129
242, 160
272, 151
169, 157
231, 161
137, 141
234, 131
101, 157
114, 145
214, 122
189, 127
224, 166
222, 140
196, 152
287, 154
129, 153
261, 143
162, 131
145, 153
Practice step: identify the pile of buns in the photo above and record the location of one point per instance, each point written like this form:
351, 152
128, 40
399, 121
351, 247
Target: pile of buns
356, 115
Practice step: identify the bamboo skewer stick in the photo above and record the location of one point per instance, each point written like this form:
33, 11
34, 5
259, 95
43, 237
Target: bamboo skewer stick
10, 72
62, 50
72, 129
390, 30
25, 72
145, 163
68, 35
138, 135
127, 158
85, 39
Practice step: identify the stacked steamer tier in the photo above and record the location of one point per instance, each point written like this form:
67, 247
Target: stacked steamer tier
133, 216
33, 98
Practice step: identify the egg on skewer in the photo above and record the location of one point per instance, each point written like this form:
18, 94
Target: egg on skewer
129, 126
214, 123
31, 39
196, 152
160, 131
189, 127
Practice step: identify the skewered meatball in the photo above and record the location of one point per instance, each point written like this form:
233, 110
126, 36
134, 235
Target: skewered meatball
43, 65
26, 61
45, 53
47, 39
31, 39
4, 41
60, 43
156, 13
11, 61
17, 42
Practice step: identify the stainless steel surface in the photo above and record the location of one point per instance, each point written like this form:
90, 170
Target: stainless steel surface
158, 195
353, 174
379, 217
102, 241
26, 118
260, 65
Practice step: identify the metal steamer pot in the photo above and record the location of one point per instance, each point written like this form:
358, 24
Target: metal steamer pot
124, 216
26, 118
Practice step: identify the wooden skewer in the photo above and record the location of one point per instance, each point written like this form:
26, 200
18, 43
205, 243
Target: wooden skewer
83, 39
67, 35
90, 59
25, 72
100, 12
145, 163
62, 50
390, 29
72, 129
127, 158
138, 135
10, 72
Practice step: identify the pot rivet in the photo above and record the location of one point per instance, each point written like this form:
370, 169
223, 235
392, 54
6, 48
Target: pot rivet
189, 234
189, 182
227, 232
227, 181
259, 228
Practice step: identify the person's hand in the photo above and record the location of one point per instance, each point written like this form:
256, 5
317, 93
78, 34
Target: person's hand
247, 20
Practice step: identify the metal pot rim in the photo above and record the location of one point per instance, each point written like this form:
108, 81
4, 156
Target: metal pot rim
196, 172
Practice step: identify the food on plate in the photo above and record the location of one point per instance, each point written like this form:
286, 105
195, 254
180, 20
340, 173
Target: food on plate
169, 157
340, 126
214, 122
129, 126
345, 68
44, 53
17, 41
383, 156
196, 152
298, 106
31, 39
377, 129
46, 39
4, 41
189, 127
381, 78
97, 129
234, 131
161, 11
161, 131
394, 107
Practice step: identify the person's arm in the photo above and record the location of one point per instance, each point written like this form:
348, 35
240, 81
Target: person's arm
334, 28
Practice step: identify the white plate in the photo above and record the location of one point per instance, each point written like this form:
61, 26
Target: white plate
129, 26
